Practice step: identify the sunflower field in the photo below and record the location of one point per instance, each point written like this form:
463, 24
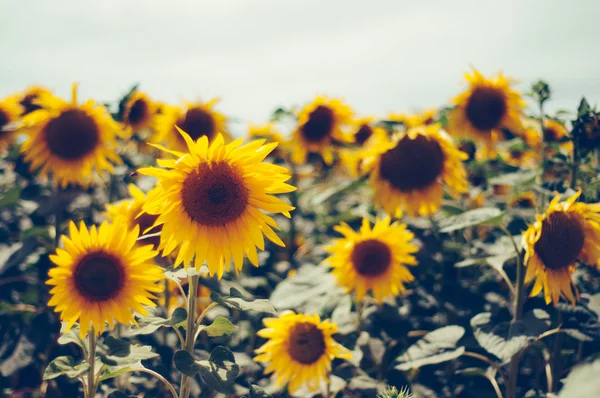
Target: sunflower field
148, 251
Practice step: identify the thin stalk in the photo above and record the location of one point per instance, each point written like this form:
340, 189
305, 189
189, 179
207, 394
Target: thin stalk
494, 383
91, 383
517, 316
294, 203
167, 300
548, 368
201, 317
555, 360
190, 337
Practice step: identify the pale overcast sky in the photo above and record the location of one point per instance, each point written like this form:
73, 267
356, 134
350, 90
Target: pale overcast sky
381, 56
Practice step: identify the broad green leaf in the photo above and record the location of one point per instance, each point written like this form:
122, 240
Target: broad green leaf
149, 324
11, 198
237, 301
35, 232
72, 336
118, 347
519, 178
219, 372
65, 366
582, 381
486, 215
109, 372
258, 392
137, 353
435, 347
219, 327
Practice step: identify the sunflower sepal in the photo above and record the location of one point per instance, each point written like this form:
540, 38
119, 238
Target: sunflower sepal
219, 371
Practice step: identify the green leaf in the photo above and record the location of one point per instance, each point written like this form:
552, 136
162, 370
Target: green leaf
584, 108
582, 382
219, 327
505, 339
219, 372
435, 347
109, 372
486, 215
237, 301
72, 336
65, 366
137, 353
519, 178
149, 324
118, 347
11, 197
258, 392
36, 232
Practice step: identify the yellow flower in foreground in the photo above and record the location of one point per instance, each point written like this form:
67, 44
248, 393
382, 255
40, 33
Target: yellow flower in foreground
486, 107
299, 350
566, 232
10, 111
100, 276
320, 123
373, 259
139, 112
197, 119
409, 171
130, 213
211, 201
70, 141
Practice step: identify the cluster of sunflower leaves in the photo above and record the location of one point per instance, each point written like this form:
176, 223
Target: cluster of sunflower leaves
444, 337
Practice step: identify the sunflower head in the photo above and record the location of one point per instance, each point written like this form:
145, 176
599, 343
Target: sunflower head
130, 213
10, 111
365, 136
319, 124
197, 119
409, 171
139, 111
70, 141
525, 200
488, 105
373, 260
566, 233
102, 276
211, 200
29, 100
554, 131
424, 118
299, 350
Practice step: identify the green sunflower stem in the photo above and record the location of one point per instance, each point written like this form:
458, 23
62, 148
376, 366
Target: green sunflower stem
190, 336
91, 380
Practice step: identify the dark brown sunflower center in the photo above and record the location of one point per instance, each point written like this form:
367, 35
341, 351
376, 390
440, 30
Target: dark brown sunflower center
138, 112
561, 240
306, 343
145, 221
214, 194
412, 164
551, 134
319, 125
524, 202
371, 257
72, 135
28, 105
363, 134
3, 120
198, 123
486, 108
516, 153
469, 148
99, 276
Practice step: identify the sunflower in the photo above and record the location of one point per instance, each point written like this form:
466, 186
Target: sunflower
139, 111
319, 124
210, 201
10, 111
270, 132
373, 259
519, 155
408, 171
29, 99
130, 213
556, 133
177, 300
70, 141
525, 200
365, 136
414, 120
100, 276
566, 232
299, 350
198, 119
488, 106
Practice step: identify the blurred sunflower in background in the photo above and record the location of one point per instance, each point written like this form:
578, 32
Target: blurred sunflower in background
129, 212
299, 350
70, 141
374, 259
211, 201
29, 99
487, 106
102, 276
519, 155
176, 299
567, 232
10, 111
197, 119
319, 124
524, 200
409, 171
556, 133
424, 118
269, 132
139, 112
365, 135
